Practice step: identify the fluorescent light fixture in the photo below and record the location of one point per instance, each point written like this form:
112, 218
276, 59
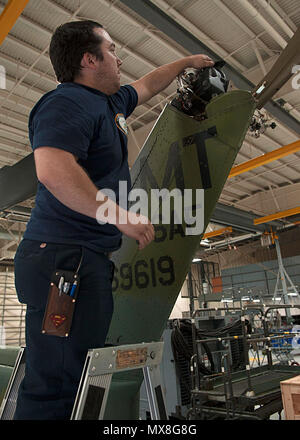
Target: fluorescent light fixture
256, 300
293, 294
276, 299
226, 300
245, 298
195, 260
262, 87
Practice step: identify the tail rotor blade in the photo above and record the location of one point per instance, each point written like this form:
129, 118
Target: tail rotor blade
280, 73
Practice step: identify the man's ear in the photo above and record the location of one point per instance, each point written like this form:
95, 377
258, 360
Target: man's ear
88, 61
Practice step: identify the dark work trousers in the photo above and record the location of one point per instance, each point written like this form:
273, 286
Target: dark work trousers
54, 364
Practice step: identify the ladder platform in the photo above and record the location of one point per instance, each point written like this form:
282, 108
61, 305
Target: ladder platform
101, 363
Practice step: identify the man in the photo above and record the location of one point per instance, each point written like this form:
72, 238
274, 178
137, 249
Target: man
79, 140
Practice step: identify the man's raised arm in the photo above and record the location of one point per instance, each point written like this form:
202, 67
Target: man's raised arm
160, 78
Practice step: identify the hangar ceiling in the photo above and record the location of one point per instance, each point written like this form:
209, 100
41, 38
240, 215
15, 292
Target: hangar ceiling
249, 35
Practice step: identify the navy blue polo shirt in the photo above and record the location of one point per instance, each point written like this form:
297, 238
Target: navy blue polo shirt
91, 125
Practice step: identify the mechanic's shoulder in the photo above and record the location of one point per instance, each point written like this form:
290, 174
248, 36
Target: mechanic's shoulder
63, 99
54, 97
123, 95
123, 90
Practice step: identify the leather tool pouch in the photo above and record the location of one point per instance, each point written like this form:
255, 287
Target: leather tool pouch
61, 303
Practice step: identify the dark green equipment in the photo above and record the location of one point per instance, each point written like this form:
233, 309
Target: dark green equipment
8, 357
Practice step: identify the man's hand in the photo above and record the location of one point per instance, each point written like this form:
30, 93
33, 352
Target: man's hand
160, 78
138, 227
200, 61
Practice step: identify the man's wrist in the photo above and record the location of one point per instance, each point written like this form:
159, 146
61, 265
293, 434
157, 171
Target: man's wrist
187, 62
121, 216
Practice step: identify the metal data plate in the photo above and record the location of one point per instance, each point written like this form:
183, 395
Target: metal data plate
128, 357
131, 358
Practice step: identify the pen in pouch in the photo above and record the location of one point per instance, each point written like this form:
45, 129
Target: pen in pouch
73, 288
60, 285
60, 307
66, 287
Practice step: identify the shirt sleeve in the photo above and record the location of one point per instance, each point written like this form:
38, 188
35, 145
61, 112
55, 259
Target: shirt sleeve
61, 123
128, 99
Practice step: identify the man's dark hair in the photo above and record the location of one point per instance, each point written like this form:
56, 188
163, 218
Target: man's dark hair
69, 43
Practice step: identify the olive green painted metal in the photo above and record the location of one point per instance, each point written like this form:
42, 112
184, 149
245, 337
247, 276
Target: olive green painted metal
183, 153
8, 357
5, 373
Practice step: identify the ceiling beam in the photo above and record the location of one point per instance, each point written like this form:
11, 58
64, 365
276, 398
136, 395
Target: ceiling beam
284, 16
268, 170
265, 158
269, 140
9, 16
178, 16
264, 23
217, 232
243, 26
143, 29
276, 216
176, 32
259, 175
237, 218
265, 179
276, 17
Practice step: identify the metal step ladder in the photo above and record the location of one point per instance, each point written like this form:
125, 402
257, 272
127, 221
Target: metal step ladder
93, 390
101, 363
